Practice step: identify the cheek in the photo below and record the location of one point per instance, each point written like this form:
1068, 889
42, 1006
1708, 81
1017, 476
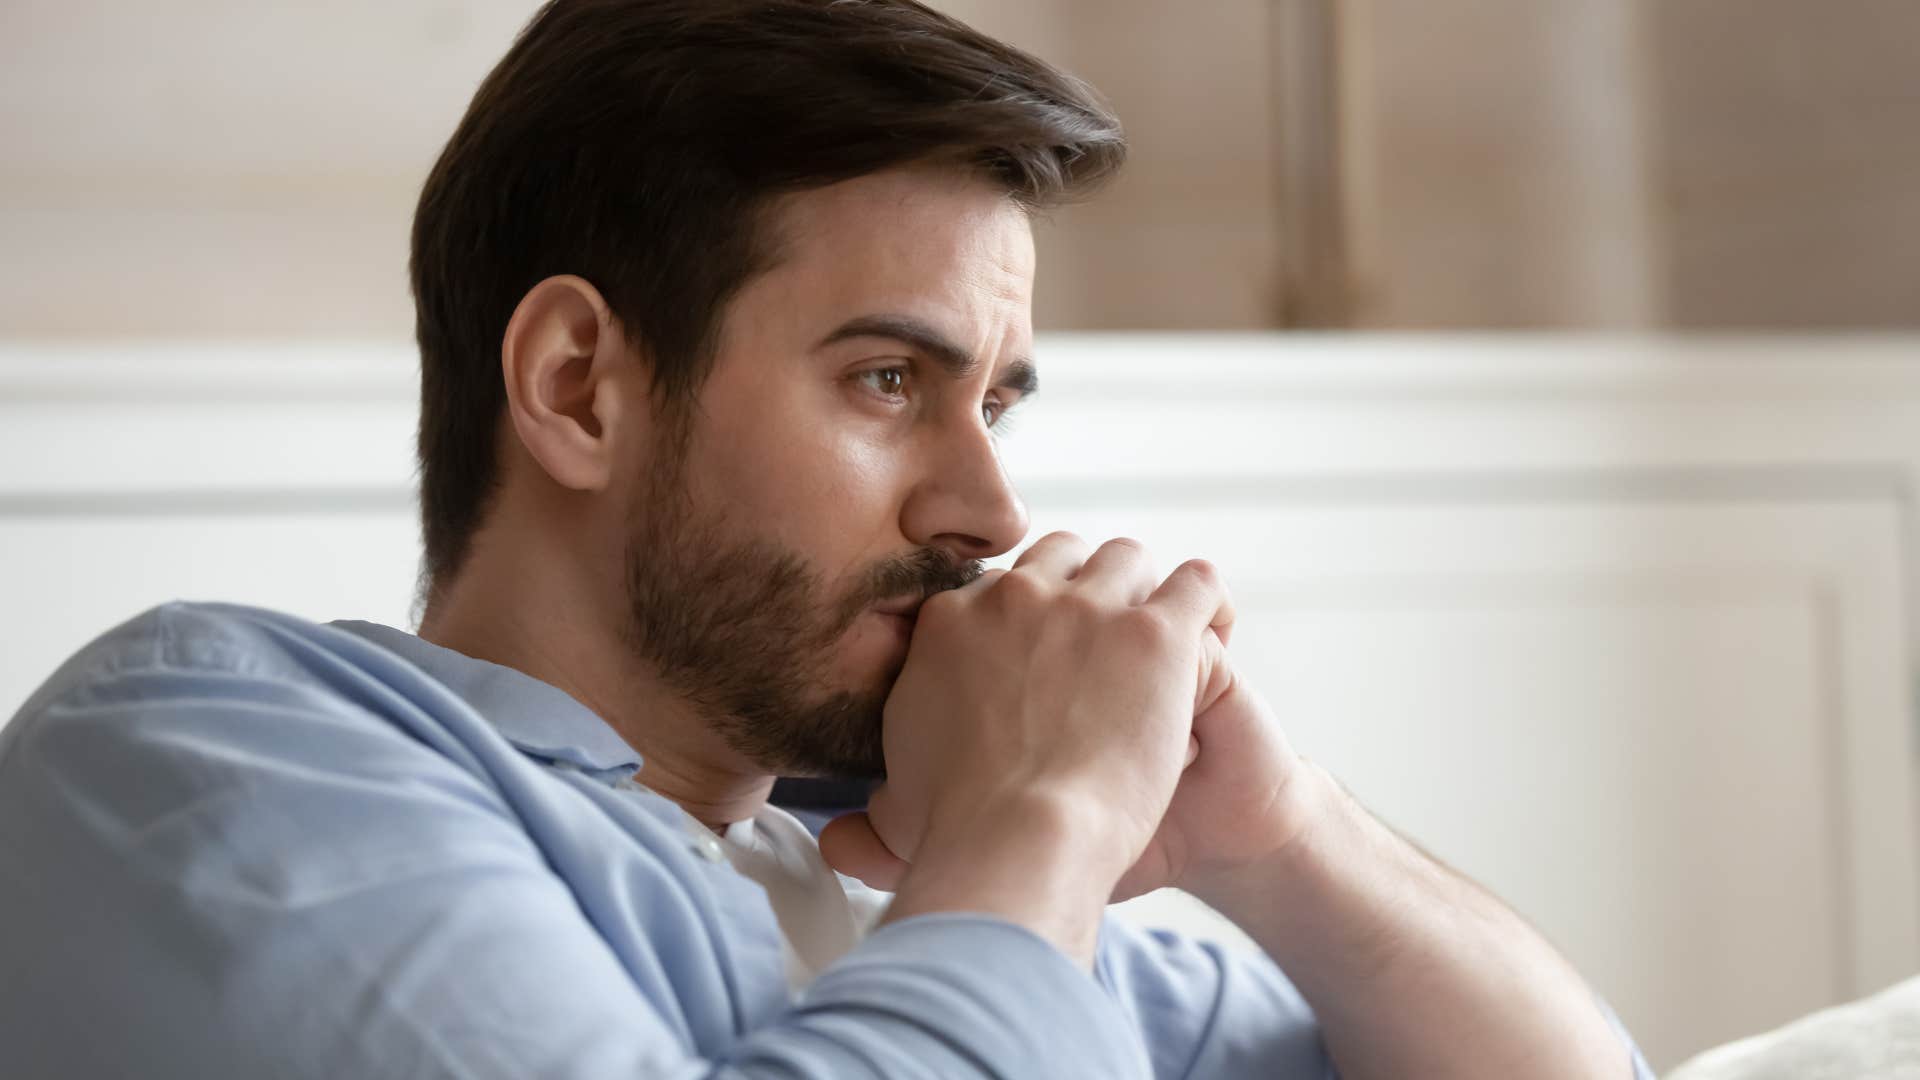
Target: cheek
812, 484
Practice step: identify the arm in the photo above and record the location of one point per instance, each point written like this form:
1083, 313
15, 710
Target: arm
238, 871
1411, 968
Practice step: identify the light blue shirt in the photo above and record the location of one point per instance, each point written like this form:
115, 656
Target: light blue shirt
235, 843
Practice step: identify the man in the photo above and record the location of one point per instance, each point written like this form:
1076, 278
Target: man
720, 303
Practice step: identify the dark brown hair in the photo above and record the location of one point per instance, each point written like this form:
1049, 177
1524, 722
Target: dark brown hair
635, 143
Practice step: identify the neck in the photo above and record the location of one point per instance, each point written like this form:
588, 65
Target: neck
518, 607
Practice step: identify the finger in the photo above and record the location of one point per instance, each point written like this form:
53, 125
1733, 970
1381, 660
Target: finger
1195, 595
1223, 620
971, 588
1121, 570
1056, 556
851, 847
1216, 676
986, 578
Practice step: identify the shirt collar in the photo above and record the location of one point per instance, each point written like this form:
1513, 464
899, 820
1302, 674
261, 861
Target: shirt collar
541, 720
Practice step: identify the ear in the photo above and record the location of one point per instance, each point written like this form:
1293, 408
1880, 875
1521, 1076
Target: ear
562, 360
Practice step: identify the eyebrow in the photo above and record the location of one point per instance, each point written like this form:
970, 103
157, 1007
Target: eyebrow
956, 361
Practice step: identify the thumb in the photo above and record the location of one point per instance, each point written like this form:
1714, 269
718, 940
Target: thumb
851, 847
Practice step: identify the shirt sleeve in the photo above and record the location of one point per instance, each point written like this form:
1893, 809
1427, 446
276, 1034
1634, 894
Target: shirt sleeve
214, 872
1209, 1011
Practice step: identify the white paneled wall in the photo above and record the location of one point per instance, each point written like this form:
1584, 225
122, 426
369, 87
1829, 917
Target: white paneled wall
1619, 627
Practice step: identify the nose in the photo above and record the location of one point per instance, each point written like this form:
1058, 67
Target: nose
964, 502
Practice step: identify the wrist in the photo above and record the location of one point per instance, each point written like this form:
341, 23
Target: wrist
1029, 861
1336, 900
1300, 824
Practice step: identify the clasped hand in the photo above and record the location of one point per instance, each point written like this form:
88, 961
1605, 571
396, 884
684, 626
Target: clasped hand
1076, 686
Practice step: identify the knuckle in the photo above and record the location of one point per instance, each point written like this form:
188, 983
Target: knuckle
1126, 543
1019, 586
1079, 603
1061, 538
1203, 571
1148, 628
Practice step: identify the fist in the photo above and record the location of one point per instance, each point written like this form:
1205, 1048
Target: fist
1065, 687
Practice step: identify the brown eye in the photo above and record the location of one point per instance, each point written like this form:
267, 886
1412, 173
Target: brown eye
889, 381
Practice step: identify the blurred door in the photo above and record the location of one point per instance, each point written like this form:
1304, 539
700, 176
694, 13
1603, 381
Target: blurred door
1628, 163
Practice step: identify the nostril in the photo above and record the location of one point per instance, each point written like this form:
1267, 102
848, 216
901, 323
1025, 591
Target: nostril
969, 547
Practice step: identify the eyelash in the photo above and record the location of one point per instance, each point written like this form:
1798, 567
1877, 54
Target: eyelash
1001, 423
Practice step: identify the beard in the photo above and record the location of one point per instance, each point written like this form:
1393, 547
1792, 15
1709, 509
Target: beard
746, 631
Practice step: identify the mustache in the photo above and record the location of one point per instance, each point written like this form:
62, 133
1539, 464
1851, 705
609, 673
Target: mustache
926, 572
922, 573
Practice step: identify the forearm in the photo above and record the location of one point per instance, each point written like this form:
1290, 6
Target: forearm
1410, 968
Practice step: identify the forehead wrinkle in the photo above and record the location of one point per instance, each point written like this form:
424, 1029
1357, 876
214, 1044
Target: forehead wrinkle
937, 246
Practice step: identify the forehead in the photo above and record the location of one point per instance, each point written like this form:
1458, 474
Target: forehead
935, 244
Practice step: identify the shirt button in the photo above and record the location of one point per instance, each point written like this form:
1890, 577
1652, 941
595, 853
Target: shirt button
708, 847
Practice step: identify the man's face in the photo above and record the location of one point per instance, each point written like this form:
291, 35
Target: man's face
841, 464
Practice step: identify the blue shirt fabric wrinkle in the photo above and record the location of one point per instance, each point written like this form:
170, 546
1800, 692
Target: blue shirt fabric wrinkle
234, 842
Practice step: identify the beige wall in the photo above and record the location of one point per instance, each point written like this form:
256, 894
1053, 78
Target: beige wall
1493, 163
1788, 160
208, 168
1633, 163
234, 169
1188, 236
205, 168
